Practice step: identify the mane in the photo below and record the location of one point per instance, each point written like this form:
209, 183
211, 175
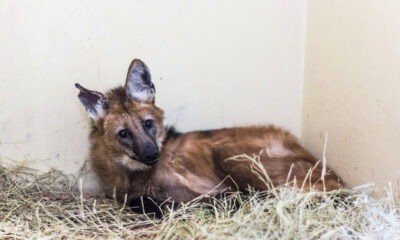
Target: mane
171, 133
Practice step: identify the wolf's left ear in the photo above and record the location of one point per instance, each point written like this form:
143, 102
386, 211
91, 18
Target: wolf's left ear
94, 102
138, 84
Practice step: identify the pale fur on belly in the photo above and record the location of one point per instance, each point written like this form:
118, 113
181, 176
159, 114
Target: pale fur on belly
200, 185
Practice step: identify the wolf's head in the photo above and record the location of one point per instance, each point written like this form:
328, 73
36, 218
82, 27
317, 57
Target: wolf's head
125, 120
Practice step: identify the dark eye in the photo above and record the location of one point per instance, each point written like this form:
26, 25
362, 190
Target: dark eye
124, 133
148, 123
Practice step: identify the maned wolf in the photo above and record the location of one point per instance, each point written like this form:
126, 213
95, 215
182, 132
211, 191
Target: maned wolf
133, 153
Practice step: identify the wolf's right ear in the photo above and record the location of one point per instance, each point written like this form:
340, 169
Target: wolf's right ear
94, 102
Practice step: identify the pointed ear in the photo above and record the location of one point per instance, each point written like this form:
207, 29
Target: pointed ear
94, 102
138, 84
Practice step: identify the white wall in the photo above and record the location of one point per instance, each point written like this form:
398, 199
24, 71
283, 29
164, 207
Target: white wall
352, 87
214, 63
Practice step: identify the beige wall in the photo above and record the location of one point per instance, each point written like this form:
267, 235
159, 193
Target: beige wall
352, 87
214, 63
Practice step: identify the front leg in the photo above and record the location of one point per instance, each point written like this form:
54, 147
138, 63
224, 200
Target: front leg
146, 205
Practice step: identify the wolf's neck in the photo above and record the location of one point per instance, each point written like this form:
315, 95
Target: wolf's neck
138, 180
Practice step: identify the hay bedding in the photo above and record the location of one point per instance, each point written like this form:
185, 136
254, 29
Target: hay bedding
47, 206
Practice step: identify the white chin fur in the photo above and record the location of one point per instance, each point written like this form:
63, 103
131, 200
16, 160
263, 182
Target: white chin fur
131, 164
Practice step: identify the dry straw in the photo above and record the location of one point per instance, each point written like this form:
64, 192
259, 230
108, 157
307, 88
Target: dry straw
48, 206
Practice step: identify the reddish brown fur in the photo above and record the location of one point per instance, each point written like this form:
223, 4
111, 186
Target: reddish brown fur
198, 162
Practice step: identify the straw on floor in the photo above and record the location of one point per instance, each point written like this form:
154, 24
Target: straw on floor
48, 206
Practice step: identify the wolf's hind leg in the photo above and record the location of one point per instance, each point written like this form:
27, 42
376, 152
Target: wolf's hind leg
263, 172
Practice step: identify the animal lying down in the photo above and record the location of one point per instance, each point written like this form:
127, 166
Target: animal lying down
133, 154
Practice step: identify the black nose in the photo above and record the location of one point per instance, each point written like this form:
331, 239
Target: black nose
151, 154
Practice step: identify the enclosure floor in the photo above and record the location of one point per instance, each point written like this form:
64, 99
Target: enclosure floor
47, 205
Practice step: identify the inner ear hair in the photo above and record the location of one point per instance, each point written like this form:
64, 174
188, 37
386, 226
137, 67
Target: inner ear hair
138, 84
94, 102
